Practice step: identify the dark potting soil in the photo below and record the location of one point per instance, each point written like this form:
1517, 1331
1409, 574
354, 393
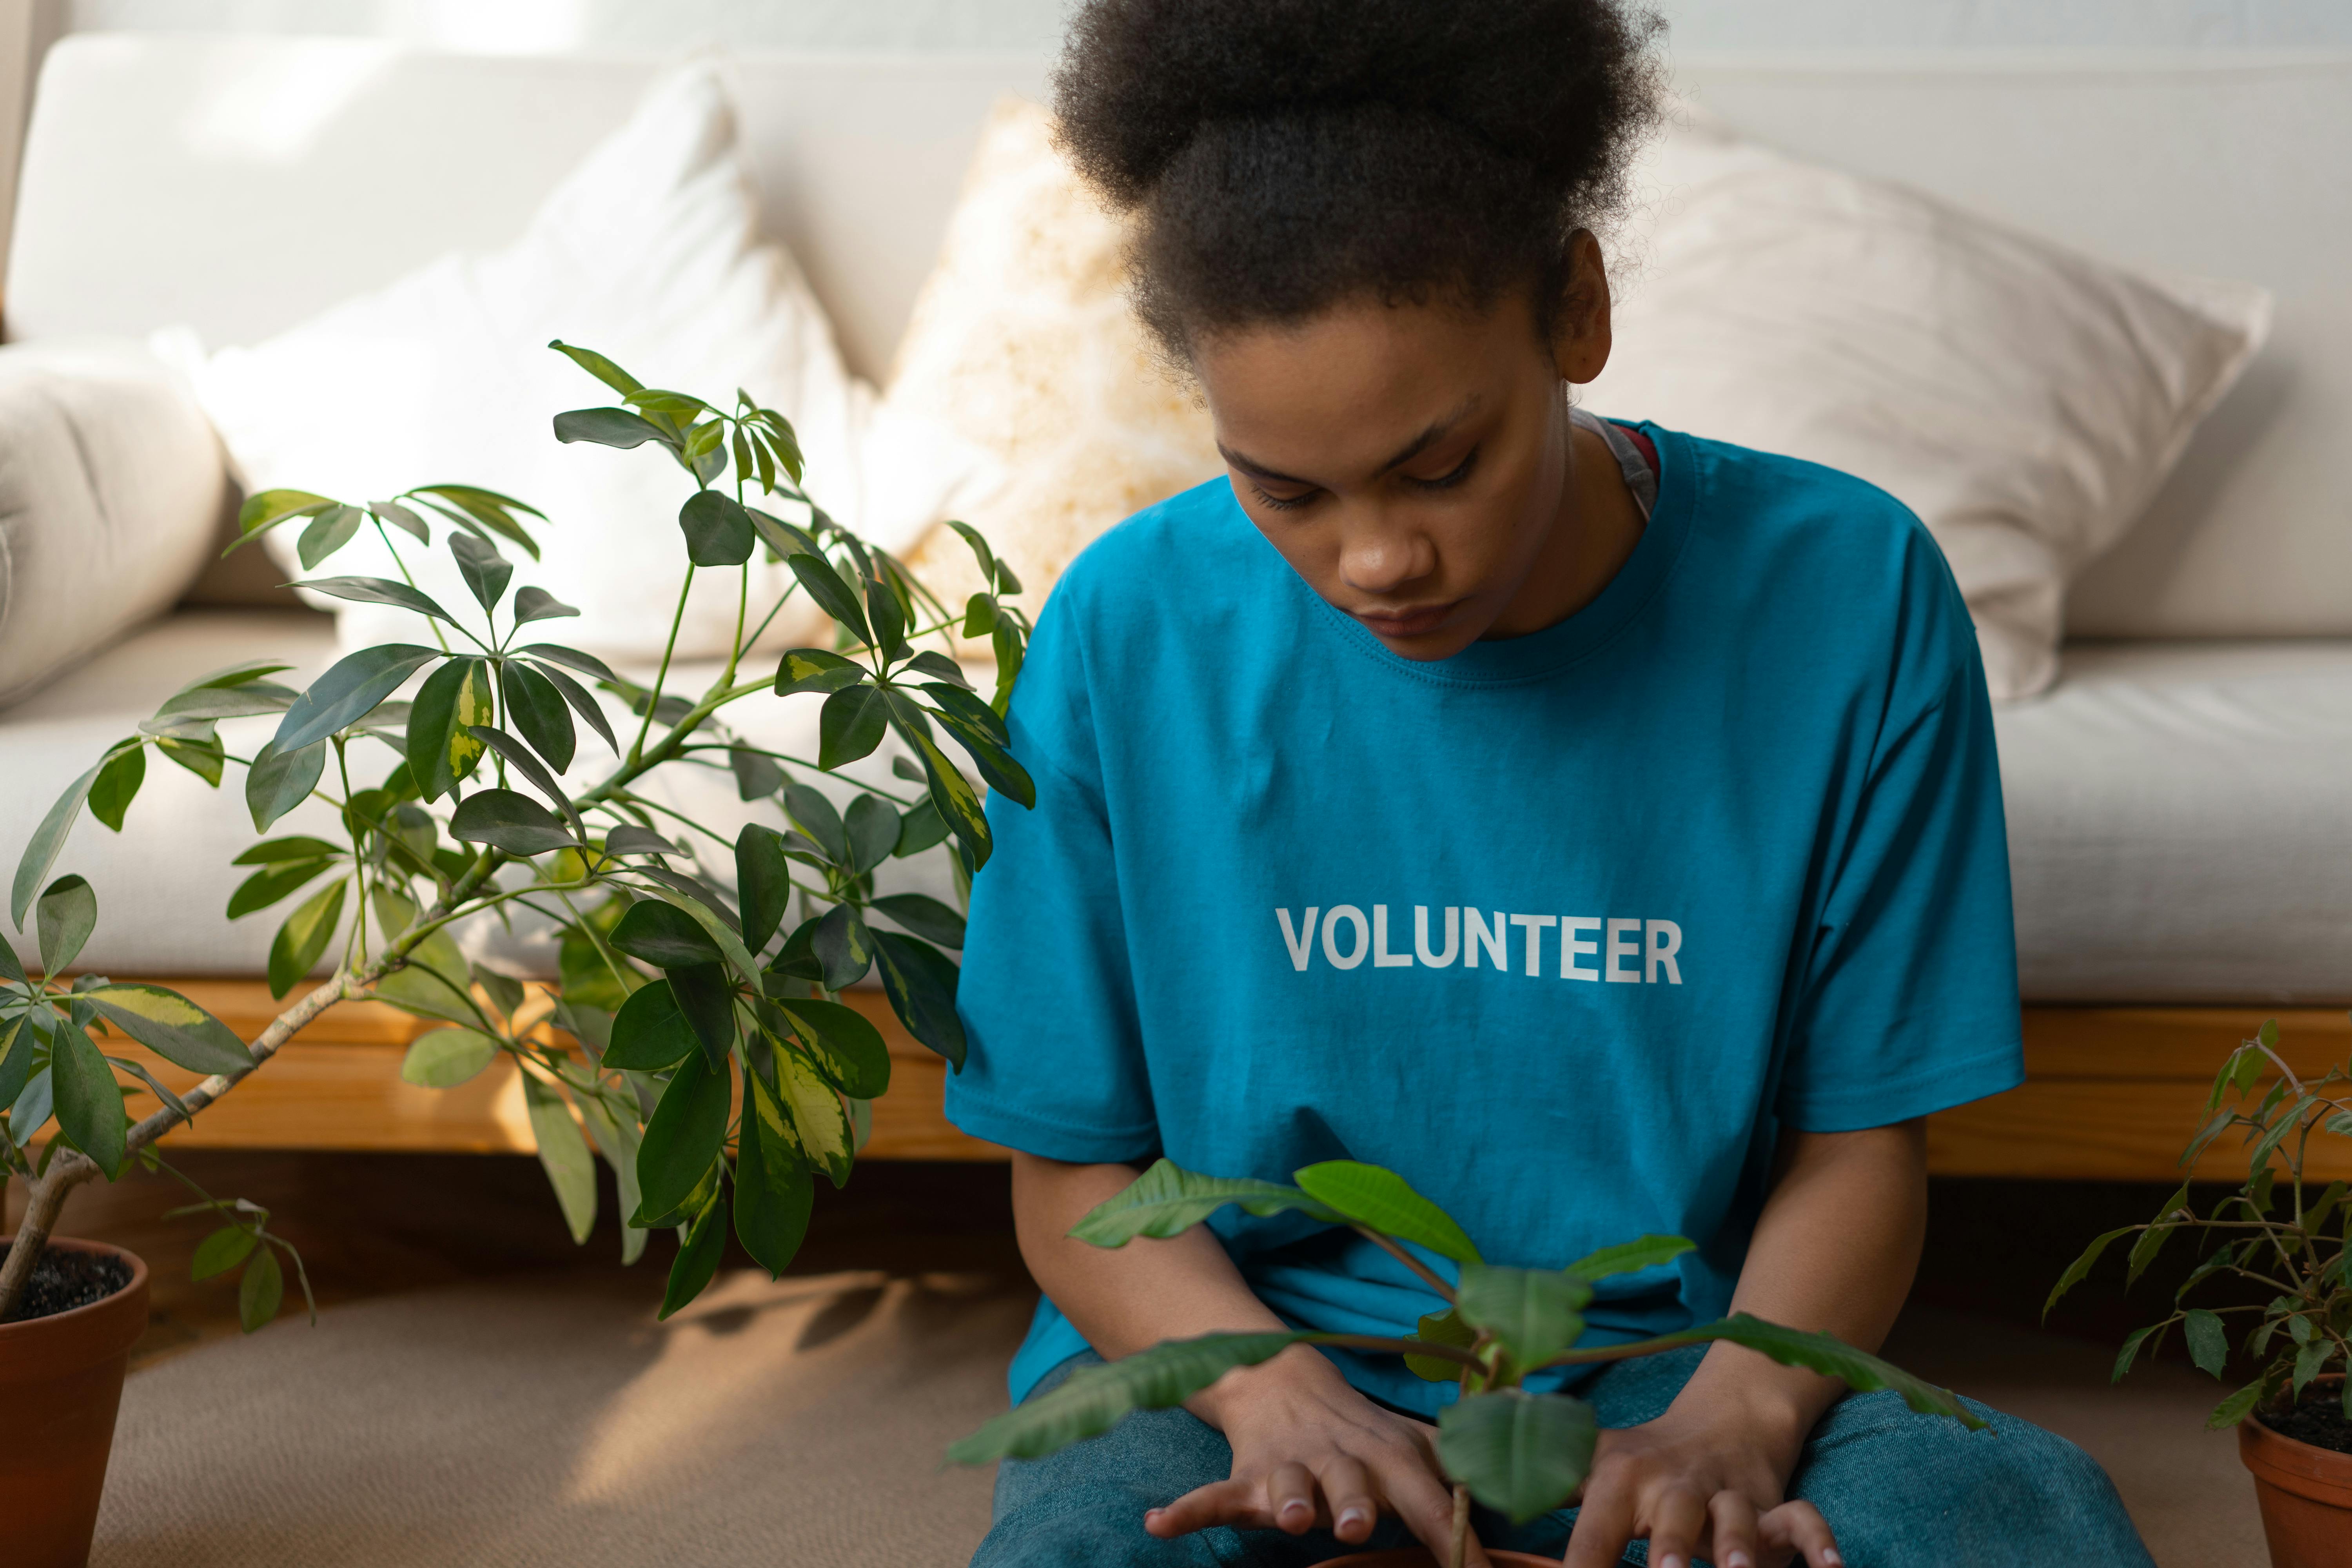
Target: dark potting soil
63, 1280
2318, 1421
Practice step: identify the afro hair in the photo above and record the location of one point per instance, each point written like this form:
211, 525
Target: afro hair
1282, 156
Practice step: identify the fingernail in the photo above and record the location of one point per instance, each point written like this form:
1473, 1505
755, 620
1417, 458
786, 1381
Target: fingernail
1349, 1520
1670, 1561
1831, 1560
1293, 1509
1736, 1560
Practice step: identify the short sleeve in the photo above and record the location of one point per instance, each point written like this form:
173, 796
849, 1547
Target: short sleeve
1909, 1003
1055, 1065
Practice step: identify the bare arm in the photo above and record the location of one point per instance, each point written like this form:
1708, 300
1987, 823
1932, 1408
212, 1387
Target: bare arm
1834, 1249
1307, 1448
1126, 1299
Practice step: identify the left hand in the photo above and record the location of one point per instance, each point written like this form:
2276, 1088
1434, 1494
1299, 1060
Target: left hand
1702, 1479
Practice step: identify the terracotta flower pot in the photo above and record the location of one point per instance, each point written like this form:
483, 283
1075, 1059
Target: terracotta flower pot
60, 1381
2305, 1494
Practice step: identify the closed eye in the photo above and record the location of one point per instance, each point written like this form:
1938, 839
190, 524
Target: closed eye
1283, 503
1447, 481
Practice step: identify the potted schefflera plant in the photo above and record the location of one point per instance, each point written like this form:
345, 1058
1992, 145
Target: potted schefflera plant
1521, 1454
703, 1051
2271, 1237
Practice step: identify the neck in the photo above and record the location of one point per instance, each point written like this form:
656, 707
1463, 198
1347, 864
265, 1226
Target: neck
1592, 536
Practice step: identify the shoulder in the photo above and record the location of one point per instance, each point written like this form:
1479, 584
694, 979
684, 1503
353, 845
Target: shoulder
1136, 606
1830, 562
1192, 540
1186, 572
1838, 522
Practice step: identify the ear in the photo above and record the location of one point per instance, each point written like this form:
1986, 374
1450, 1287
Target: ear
1579, 334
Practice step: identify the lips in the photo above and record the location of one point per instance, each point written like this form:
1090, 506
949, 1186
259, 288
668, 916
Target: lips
1414, 622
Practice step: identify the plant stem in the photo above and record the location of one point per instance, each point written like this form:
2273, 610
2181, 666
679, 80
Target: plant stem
1459, 1557
669, 646
1397, 1347
743, 603
431, 624
1429, 1275
69, 1169
761, 630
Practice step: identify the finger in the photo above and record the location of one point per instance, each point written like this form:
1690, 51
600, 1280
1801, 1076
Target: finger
1604, 1527
1799, 1528
1732, 1519
1676, 1516
1417, 1495
1290, 1498
1348, 1498
1219, 1502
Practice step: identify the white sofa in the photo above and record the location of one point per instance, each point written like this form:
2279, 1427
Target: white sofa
2175, 804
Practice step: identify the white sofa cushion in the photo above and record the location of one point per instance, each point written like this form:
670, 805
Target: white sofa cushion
650, 253
2024, 399
110, 486
2164, 803
2176, 825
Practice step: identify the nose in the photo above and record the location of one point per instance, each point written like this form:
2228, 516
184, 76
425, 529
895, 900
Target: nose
1378, 557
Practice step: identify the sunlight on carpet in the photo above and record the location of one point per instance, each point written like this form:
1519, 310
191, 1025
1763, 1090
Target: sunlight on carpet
797, 1421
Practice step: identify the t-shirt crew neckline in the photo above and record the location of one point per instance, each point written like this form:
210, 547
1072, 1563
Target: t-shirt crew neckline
1506, 660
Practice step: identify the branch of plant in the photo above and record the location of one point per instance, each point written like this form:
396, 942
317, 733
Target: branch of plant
69, 1169
430, 621
894, 799
1429, 1277
774, 610
47, 1192
669, 647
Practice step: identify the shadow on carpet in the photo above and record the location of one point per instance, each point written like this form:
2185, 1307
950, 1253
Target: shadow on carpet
543, 1421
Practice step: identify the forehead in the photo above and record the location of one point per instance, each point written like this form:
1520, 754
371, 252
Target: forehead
1345, 389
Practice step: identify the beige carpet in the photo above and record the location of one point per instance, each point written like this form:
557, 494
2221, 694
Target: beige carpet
797, 1424
551, 1421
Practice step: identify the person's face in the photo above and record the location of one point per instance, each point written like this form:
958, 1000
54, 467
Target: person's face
1414, 463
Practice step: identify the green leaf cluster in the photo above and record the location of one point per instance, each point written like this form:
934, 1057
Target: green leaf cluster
2272, 1232
1520, 1452
696, 1042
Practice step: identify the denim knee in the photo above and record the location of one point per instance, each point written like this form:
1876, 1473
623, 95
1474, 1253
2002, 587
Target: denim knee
1901, 1488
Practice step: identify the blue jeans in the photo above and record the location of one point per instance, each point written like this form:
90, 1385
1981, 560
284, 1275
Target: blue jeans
1901, 1492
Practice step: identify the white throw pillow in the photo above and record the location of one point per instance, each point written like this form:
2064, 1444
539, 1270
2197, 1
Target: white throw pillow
650, 253
111, 489
2024, 399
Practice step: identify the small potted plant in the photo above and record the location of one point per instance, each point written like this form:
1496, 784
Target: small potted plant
1522, 1453
2294, 1416
679, 1003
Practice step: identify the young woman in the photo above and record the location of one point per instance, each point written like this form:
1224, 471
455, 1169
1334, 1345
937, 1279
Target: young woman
1595, 824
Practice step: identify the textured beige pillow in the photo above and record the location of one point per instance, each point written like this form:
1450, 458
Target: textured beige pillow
2024, 398
1023, 345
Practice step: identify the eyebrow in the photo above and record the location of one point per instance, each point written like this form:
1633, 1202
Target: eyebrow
1437, 430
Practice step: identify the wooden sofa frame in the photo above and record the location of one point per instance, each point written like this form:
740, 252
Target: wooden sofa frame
2112, 1093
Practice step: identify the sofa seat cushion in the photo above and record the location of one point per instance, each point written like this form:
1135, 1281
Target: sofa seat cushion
2177, 824
2175, 816
164, 881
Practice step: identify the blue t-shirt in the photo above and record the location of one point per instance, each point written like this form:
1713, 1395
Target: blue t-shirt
1562, 928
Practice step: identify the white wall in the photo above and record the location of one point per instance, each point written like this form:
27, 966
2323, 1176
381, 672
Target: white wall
951, 24
657, 27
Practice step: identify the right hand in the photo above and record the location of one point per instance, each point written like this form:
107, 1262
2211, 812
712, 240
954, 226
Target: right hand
1308, 1451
